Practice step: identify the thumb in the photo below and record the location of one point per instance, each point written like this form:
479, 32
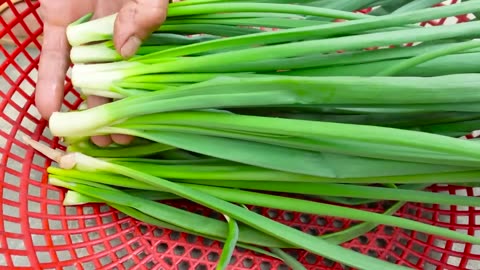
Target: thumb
53, 66
135, 22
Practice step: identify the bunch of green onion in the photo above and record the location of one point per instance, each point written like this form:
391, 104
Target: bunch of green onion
228, 116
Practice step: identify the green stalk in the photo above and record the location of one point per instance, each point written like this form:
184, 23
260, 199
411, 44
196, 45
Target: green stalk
319, 136
259, 22
285, 203
256, 221
445, 65
183, 219
303, 206
90, 149
288, 260
359, 229
211, 29
262, 7
75, 198
429, 56
102, 29
240, 172
418, 4
229, 246
209, 63
356, 191
277, 90
324, 31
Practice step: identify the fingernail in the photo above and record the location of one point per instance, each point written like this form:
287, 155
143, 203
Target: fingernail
130, 47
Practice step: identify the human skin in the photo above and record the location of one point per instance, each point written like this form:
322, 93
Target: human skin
136, 20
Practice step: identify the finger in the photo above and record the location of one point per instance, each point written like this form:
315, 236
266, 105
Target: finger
122, 139
135, 22
94, 101
53, 65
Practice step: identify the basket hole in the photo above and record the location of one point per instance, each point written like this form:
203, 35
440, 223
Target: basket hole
53, 209
201, 267
125, 225
73, 224
412, 259
213, 256
111, 231
16, 244
158, 232
398, 250
381, 243
63, 255
288, 216
76, 238
28, 124
454, 260
98, 247
38, 240
115, 242
179, 250
55, 224
184, 265
88, 265
473, 264
33, 190
107, 219
11, 113
91, 222
168, 261
34, 223
420, 248
134, 245
14, 165
363, 240
462, 220
143, 228
191, 238
81, 252
20, 261
388, 230
58, 240
128, 264
247, 262
195, 253
392, 259
304, 218
328, 262
36, 175
11, 195
10, 178
162, 248
256, 209
321, 221
150, 265
311, 258
105, 260
338, 224
265, 266
283, 267
53, 194
313, 231
207, 242
43, 257
142, 255
174, 235
372, 253
272, 213
10, 211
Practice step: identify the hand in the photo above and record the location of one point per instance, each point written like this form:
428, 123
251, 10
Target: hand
136, 20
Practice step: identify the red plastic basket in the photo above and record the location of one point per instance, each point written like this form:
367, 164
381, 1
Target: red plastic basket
38, 232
